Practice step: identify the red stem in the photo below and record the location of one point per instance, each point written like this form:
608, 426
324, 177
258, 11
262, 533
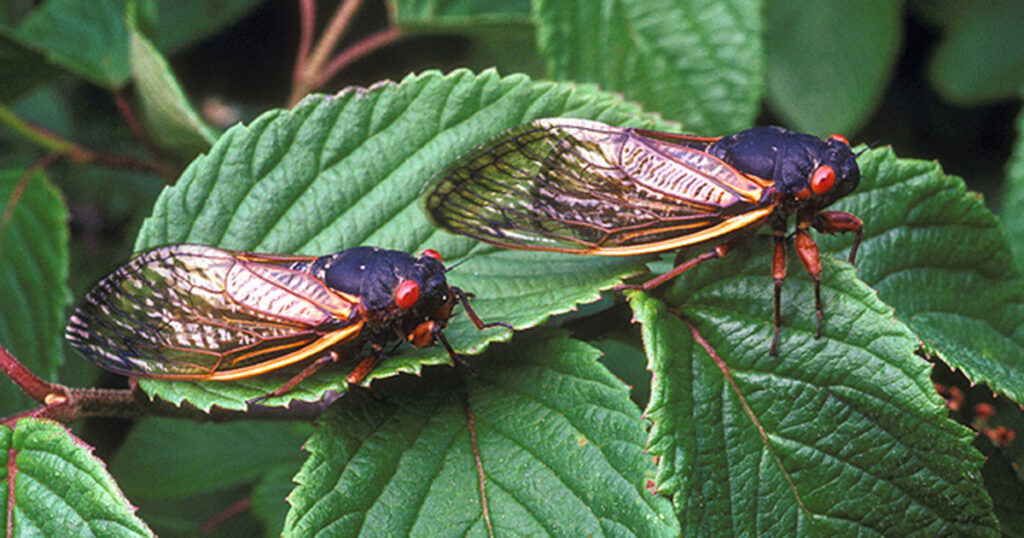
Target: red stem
65, 404
235, 509
19, 189
480, 475
29, 383
307, 16
132, 122
12, 473
358, 50
329, 39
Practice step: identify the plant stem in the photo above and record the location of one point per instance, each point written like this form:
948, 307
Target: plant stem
36, 135
307, 18
29, 383
357, 51
313, 69
19, 189
65, 404
54, 144
329, 39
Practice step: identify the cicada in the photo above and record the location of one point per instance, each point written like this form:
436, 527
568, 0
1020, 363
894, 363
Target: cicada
583, 187
202, 313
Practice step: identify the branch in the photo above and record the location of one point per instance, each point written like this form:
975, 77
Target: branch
65, 404
29, 383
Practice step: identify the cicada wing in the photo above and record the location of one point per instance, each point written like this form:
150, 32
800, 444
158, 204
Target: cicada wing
189, 311
585, 187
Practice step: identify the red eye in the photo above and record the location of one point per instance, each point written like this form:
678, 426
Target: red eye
433, 254
839, 138
823, 179
406, 294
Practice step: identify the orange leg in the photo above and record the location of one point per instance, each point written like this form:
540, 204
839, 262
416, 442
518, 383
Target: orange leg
479, 323
717, 252
365, 366
831, 222
298, 378
778, 276
807, 249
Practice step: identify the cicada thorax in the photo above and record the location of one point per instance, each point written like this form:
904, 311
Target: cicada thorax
398, 293
806, 174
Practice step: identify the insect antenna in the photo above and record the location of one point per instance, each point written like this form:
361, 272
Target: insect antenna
460, 262
870, 145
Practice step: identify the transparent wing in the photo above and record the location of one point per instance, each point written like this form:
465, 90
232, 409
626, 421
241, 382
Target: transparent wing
585, 187
189, 311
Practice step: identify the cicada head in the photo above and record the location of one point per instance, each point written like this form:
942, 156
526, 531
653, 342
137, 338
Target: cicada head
397, 292
428, 313
835, 173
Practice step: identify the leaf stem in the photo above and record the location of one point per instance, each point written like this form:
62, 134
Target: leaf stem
329, 39
236, 508
307, 17
132, 122
308, 64
53, 143
314, 69
19, 189
359, 49
480, 474
37, 135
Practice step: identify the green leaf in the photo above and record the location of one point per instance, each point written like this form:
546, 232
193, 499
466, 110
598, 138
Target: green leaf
500, 33
33, 275
440, 14
841, 435
166, 112
89, 39
937, 254
190, 516
1007, 490
829, 62
696, 61
59, 488
624, 356
346, 170
548, 433
268, 497
979, 59
21, 69
165, 458
1013, 197
179, 24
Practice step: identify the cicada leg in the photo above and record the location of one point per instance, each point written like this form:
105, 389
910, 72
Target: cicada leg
778, 277
299, 377
831, 222
717, 252
365, 366
807, 250
477, 322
